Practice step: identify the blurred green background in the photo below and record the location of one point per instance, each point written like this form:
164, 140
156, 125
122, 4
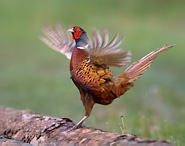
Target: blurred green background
33, 76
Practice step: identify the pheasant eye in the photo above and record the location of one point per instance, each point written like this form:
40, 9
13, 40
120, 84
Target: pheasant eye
78, 30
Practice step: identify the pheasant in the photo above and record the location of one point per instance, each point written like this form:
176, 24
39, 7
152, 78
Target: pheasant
90, 60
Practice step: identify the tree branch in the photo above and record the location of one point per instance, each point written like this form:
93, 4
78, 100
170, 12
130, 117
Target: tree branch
28, 127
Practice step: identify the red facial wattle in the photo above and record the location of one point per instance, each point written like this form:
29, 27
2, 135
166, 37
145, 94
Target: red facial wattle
77, 32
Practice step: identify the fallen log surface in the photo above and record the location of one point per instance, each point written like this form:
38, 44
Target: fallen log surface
23, 127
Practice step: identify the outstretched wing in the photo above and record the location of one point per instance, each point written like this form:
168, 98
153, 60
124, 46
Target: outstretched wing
58, 39
105, 52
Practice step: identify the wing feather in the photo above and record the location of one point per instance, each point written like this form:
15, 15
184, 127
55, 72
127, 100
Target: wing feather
114, 40
99, 39
94, 38
105, 38
58, 39
104, 53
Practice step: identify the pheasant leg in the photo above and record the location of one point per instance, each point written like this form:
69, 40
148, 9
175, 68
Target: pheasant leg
78, 124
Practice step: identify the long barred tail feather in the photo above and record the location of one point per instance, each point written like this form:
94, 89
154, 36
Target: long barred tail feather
135, 70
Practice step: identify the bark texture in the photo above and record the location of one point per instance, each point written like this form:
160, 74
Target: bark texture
25, 128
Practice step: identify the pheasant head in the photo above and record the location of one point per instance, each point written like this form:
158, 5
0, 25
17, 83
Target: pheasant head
79, 35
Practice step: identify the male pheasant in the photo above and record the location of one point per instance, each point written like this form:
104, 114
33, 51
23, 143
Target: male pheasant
90, 61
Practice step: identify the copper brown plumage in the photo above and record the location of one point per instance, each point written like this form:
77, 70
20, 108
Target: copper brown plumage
90, 61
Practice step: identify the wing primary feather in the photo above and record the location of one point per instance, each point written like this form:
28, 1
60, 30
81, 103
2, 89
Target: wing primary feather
52, 34
58, 39
94, 39
49, 43
105, 38
98, 39
61, 31
118, 43
114, 40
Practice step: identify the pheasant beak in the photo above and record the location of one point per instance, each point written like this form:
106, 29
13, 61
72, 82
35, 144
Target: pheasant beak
70, 30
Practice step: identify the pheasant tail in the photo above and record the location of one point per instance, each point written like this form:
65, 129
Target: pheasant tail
123, 82
135, 70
